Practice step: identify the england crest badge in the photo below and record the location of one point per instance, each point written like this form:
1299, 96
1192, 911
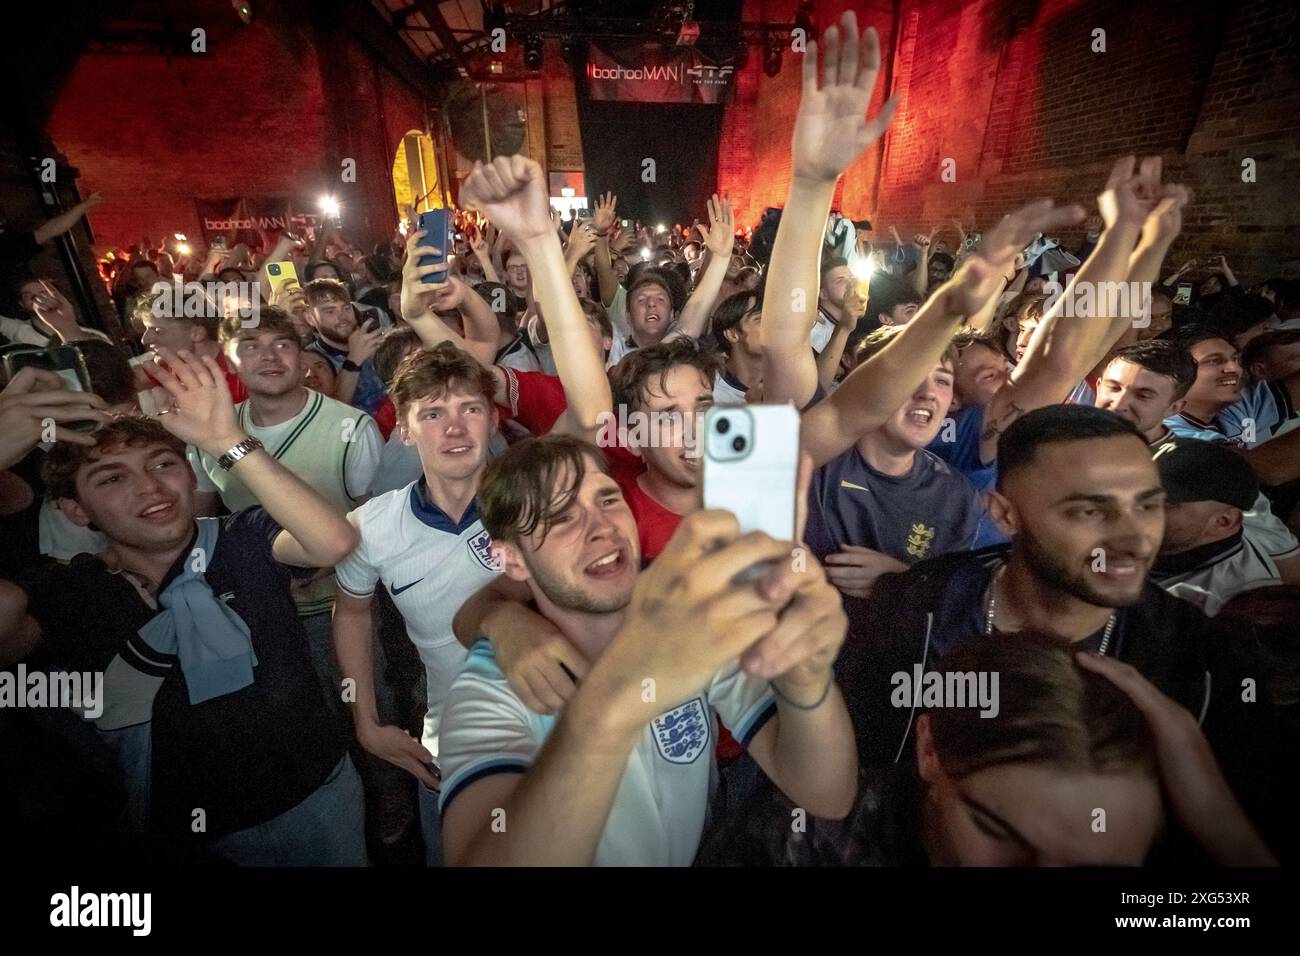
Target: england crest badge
682, 734
481, 547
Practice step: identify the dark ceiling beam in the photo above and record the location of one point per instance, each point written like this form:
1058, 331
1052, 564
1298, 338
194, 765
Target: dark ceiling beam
449, 42
365, 23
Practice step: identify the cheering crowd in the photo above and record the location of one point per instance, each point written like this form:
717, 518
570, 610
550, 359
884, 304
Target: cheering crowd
383, 556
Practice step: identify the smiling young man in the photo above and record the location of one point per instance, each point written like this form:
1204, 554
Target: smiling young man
1221, 405
200, 335
1146, 383
349, 347
1080, 497
425, 542
886, 502
331, 446
212, 709
622, 775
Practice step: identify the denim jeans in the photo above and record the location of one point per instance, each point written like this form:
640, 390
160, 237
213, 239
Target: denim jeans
326, 829
430, 825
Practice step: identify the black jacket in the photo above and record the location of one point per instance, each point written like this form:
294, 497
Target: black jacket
915, 617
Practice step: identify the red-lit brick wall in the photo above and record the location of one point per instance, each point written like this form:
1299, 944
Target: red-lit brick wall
251, 117
1013, 93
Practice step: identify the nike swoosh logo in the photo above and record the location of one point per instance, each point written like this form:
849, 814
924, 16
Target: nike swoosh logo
397, 591
849, 484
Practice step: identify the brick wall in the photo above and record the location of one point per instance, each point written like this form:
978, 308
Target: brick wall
251, 117
1014, 94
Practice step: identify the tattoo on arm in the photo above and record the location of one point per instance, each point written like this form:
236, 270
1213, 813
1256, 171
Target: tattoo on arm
996, 428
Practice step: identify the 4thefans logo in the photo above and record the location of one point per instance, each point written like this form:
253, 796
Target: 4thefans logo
708, 75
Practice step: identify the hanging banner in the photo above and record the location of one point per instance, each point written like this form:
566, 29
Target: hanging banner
254, 220
652, 73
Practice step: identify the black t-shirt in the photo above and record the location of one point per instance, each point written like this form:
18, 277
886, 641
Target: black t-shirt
243, 758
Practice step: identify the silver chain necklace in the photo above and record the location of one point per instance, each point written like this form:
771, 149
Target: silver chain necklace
992, 612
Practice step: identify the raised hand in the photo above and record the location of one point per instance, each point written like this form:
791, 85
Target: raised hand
1166, 220
980, 273
604, 216
688, 617
510, 191
34, 400
56, 311
620, 242
194, 401
721, 234
832, 129
1131, 192
798, 653
362, 344
581, 241
450, 295
417, 280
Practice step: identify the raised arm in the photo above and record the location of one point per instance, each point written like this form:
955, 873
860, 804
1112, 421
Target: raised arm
875, 389
830, 132
198, 410
581, 241
511, 192
603, 220
921, 274
65, 220
478, 244
1063, 348
718, 239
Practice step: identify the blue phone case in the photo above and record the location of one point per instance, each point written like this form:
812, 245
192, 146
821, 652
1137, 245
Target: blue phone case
437, 223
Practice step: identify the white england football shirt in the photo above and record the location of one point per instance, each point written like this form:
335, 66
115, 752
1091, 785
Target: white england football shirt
430, 565
659, 811
1211, 584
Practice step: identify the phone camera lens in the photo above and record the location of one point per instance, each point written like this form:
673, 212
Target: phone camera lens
724, 426
739, 443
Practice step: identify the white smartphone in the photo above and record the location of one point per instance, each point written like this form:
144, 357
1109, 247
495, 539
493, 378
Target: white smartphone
751, 464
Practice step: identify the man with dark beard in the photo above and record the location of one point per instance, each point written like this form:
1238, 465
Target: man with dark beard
1081, 499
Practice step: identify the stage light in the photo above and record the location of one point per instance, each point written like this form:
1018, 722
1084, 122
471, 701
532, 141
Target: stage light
533, 52
329, 206
243, 10
862, 268
661, 228
645, 254
183, 248
180, 236
772, 58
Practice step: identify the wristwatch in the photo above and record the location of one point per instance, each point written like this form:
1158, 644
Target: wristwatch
350, 366
238, 452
